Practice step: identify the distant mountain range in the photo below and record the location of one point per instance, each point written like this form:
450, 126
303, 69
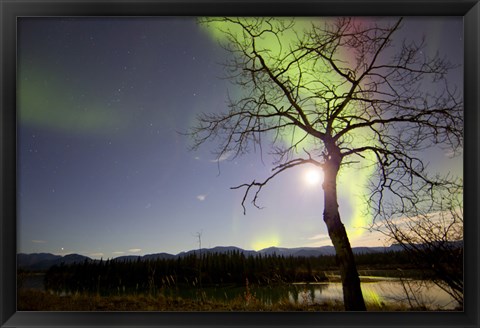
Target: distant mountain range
43, 261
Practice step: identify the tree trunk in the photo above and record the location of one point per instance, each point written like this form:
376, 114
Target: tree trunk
352, 293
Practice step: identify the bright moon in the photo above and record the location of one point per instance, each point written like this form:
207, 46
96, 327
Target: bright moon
313, 177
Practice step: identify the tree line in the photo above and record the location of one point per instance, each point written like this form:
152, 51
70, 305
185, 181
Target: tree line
198, 270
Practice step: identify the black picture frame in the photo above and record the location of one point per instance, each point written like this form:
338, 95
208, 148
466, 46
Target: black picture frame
10, 10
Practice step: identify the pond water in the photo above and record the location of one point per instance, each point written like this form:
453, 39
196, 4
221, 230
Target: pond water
407, 293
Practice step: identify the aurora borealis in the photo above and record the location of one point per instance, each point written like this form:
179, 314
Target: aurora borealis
104, 170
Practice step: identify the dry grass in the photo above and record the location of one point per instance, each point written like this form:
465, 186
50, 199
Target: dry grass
34, 300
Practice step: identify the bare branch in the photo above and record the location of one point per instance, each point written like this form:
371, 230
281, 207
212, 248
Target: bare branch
276, 171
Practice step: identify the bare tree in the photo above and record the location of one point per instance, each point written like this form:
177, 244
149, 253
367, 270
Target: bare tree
431, 232
314, 105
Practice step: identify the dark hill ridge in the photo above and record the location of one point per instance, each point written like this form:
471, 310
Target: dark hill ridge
43, 261
30, 259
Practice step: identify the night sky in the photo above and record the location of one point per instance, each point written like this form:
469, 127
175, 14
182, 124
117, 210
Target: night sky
104, 170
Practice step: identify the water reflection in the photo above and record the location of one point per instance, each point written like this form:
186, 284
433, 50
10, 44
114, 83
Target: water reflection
410, 294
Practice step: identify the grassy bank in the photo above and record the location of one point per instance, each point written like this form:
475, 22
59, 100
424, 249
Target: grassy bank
34, 300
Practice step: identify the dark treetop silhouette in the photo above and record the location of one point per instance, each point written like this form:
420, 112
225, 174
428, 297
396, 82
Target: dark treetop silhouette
379, 107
